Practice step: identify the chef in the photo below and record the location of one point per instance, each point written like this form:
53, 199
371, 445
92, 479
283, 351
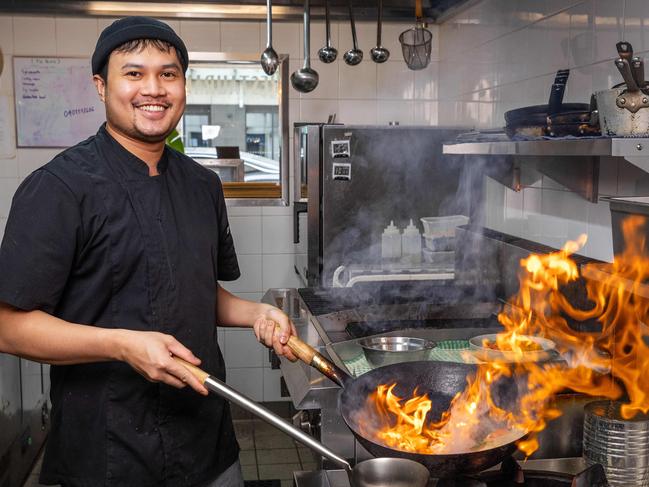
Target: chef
109, 267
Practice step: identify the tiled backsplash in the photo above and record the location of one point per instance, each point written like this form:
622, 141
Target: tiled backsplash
502, 54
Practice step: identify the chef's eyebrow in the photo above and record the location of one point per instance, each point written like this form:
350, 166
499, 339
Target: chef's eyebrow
141, 66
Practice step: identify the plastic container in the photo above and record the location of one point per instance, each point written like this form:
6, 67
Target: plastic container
411, 244
391, 242
442, 259
443, 226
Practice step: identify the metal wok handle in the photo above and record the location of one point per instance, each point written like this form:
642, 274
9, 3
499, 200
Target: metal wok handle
227, 392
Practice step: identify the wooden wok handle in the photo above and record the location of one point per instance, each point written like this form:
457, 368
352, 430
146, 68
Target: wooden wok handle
310, 356
200, 374
418, 10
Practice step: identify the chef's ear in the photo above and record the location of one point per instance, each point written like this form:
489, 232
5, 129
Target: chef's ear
100, 84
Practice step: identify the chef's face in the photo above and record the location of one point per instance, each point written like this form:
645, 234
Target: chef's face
144, 93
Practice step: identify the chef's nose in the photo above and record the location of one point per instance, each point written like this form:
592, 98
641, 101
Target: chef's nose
153, 86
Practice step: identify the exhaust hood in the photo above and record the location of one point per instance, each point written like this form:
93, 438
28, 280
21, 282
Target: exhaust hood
393, 10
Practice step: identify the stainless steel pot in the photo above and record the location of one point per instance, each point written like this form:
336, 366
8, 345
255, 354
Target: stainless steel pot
620, 445
380, 351
617, 116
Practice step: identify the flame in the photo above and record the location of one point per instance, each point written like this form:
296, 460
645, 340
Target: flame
611, 363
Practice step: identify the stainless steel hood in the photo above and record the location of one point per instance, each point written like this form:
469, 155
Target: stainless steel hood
393, 10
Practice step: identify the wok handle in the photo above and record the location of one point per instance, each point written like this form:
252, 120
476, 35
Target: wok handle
418, 10
310, 356
227, 392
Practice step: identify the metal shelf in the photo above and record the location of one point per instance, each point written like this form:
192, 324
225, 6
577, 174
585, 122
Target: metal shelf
619, 147
573, 163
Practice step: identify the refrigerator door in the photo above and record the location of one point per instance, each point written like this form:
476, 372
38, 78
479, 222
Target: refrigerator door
371, 176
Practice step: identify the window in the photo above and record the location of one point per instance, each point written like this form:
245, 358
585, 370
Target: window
236, 123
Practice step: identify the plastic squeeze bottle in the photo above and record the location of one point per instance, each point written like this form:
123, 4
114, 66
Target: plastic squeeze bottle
391, 242
411, 244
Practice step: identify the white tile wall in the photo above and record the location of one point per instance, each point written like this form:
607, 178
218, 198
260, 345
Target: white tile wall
509, 52
242, 350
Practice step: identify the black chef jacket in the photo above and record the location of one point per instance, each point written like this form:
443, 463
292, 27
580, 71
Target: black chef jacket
92, 238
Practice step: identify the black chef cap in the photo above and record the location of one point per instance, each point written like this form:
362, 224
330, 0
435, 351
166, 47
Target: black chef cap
130, 29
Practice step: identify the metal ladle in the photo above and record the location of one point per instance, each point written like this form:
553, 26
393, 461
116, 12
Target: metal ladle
379, 53
328, 53
269, 59
306, 79
354, 56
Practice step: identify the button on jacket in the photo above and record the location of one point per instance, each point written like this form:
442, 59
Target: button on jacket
93, 239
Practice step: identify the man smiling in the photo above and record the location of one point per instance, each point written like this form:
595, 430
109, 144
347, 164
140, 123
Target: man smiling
110, 265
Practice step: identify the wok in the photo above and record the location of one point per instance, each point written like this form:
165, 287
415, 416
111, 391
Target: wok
440, 380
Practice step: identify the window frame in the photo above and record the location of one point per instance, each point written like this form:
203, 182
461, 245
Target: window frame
255, 193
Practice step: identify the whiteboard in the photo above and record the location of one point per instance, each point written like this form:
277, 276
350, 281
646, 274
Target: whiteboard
56, 101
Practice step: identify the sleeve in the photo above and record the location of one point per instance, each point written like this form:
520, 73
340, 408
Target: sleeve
227, 263
39, 244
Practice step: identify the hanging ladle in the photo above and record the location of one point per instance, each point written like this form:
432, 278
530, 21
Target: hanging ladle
269, 59
354, 56
306, 79
379, 53
328, 53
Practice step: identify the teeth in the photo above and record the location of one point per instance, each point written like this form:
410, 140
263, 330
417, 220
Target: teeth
151, 108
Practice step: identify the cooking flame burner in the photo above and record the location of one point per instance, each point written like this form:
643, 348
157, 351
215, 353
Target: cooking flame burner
511, 474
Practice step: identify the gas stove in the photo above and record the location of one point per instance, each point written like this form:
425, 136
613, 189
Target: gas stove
569, 472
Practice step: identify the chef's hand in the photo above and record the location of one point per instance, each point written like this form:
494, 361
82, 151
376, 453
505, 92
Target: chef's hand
150, 353
269, 334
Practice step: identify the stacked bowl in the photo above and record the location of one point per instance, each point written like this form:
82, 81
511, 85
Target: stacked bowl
620, 445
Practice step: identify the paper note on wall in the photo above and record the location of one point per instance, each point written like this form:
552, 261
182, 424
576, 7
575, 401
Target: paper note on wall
7, 146
56, 102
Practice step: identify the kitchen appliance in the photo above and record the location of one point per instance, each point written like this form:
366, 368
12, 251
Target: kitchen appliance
352, 180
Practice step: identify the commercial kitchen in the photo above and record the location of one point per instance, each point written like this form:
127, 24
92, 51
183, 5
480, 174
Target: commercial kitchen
449, 200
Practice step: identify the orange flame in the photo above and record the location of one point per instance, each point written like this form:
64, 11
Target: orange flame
611, 363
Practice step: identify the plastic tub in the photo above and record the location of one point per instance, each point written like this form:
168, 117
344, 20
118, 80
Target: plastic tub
444, 258
443, 226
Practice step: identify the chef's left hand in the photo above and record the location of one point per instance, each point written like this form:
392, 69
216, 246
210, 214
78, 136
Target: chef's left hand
269, 334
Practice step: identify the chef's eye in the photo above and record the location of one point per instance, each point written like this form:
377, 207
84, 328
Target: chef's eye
132, 74
169, 74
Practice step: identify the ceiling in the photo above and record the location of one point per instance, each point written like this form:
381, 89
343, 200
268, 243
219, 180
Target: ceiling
393, 10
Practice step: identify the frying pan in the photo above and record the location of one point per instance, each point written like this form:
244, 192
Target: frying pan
440, 380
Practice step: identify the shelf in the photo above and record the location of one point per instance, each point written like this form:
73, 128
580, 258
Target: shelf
573, 163
619, 147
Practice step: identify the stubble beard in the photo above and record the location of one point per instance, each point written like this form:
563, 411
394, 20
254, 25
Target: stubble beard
131, 129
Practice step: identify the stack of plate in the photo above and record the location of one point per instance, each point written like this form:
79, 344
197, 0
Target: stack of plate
620, 445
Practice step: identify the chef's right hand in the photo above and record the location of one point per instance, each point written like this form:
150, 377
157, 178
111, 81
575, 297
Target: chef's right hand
150, 354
